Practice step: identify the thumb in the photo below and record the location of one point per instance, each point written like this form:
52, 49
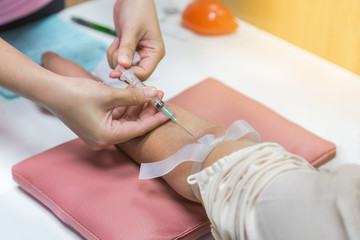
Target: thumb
127, 48
111, 53
132, 96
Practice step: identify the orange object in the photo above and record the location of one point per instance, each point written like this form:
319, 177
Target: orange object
208, 17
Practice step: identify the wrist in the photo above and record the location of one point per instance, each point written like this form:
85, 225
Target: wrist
47, 90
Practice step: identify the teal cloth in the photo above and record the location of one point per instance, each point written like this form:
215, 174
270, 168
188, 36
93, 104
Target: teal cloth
56, 35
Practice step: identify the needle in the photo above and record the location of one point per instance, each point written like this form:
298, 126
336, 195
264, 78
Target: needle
185, 128
130, 78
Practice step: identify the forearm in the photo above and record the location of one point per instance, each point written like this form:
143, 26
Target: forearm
65, 67
167, 139
21, 75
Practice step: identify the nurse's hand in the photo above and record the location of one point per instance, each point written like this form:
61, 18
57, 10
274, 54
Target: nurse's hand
137, 28
102, 115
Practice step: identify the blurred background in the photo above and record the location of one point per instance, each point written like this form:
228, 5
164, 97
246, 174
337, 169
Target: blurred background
69, 3
327, 28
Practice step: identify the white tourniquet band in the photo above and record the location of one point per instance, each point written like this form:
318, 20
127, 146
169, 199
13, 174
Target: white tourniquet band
197, 152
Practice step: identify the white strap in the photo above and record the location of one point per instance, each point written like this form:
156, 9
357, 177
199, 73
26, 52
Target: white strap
197, 152
193, 152
239, 129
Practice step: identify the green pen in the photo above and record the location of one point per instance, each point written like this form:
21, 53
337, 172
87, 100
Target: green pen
93, 26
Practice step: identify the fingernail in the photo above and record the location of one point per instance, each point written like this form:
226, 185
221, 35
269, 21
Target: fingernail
115, 42
150, 91
124, 59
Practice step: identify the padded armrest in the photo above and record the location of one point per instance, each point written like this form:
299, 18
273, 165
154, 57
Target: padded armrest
98, 193
271, 126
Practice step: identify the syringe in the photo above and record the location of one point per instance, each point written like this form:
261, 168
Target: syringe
130, 78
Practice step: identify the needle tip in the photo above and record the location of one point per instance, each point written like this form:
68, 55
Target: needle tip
185, 129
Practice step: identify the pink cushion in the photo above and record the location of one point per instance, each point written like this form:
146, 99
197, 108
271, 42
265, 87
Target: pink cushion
98, 192
271, 126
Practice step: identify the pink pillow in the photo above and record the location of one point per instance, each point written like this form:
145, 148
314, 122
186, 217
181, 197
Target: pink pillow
271, 126
98, 192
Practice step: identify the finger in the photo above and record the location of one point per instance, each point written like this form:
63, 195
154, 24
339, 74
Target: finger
130, 97
143, 111
160, 94
115, 74
124, 131
127, 47
150, 109
133, 112
146, 66
111, 53
118, 112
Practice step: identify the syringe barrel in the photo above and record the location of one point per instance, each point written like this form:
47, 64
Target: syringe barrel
130, 78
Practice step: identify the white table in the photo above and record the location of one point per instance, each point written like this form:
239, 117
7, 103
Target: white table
304, 88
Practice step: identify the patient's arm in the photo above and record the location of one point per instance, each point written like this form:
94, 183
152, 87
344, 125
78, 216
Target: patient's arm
168, 139
64, 67
165, 140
